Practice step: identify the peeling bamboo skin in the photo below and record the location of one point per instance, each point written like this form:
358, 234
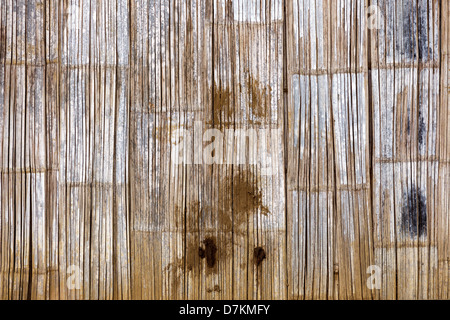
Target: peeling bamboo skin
351, 122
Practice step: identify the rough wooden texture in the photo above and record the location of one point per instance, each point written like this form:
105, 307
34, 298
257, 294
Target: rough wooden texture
351, 159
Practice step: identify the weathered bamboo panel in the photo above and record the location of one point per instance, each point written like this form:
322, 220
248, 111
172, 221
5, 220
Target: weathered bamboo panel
328, 172
224, 149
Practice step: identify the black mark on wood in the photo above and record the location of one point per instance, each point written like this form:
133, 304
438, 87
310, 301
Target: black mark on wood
259, 255
414, 24
414, 212
201, 252
210, 251
422, 129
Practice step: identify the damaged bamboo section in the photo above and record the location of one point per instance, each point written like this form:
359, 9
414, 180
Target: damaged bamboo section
224, 149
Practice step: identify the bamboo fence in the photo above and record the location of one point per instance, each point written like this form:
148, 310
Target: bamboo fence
348, 111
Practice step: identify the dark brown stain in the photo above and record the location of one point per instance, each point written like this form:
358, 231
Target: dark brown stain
223, 112
191, 260
239, 201
259, 98
194, 250
247, 197
215, 289
201, 253
190, 255
210, 251
259, 255
244, 200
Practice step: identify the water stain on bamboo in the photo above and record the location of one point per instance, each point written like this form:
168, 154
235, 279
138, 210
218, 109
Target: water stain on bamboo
223, 112
259, 255
244, 200
259, 100
174, 271
215, 289
209, 251
192, 248
422, 130
260, 97
414, 212
241, 200
414, 25
201, 252
248, 198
